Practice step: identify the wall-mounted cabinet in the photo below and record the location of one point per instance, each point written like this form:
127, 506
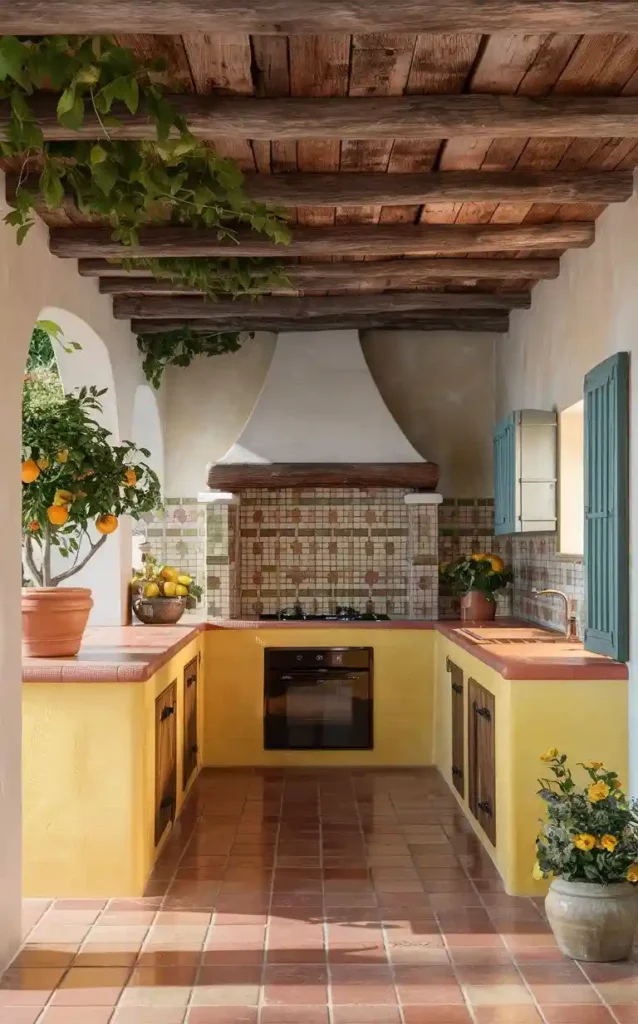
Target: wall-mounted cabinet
525, 472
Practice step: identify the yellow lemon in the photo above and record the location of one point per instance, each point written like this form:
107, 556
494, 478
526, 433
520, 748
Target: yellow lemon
63, 498
30, 471
170, 589
58, 514
185, 580
131, 477
62, 455
43, 463
180, 590
106, 523
151, 590
169, 574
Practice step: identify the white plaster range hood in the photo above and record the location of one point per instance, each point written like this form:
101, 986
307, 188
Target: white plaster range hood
319, 413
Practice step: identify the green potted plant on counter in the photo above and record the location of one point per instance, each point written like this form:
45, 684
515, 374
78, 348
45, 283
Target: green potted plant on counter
161, 594
589, 847
75, 486
476, 579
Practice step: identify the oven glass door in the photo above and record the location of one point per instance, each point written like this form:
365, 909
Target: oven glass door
319, 710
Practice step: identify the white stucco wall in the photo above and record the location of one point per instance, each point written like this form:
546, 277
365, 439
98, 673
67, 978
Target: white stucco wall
439, 387
587, 314
30, 281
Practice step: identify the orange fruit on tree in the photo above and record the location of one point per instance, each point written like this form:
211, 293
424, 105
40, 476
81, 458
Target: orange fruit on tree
63, 498
106, 523
62, 455
30, 471
43, 463
131, 477
34, 526
58, 514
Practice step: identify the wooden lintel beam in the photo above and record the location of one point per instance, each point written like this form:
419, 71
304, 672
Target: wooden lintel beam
495, 321
196, 307
382, 273
366, 117
280, 17
337, 240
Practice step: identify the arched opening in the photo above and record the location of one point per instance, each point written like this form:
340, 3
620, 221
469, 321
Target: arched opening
79, 357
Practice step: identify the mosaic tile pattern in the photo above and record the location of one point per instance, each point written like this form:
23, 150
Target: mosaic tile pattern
466, 525
311, 897
176, 535
423, 597
537, 566
325, 547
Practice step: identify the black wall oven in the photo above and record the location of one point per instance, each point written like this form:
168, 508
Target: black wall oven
318, 698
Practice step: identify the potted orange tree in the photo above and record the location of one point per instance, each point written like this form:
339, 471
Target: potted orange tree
75, 486
476, 579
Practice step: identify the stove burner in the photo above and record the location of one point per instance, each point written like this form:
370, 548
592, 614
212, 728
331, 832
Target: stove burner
342, 614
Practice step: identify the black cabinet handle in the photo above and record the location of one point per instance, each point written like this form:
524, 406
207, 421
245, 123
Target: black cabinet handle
485, 806
190, 680
456, 771
457, 687
194, 749
483, 712
166, 712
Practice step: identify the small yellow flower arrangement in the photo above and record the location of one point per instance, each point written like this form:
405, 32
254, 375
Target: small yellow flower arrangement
591, 831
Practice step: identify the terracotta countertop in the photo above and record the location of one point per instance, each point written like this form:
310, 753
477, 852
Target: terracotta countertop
121, 654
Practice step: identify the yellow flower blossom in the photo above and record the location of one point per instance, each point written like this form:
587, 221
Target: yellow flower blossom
594, 765
598, 791
583, 841
550, 755
537, 872
632, 873
607, 842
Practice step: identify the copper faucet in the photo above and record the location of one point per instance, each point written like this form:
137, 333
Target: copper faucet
571, 632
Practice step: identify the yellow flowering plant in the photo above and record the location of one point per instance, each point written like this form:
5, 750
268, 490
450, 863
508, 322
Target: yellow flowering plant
591, 831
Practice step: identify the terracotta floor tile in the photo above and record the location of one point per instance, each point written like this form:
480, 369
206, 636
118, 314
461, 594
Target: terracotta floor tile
91, 986
76, 1015
19, 1014
562, 1014
507, 1015
221, 1015
148, 1015
436, 1015
28, 986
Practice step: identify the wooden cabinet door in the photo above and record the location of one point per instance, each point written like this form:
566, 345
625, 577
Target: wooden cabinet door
165, 759
458, 726
190, 749
482, 756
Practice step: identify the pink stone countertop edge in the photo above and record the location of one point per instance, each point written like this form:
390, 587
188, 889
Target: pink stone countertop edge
131, 654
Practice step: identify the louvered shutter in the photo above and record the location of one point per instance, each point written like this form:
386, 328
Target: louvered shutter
606, 555
504, 476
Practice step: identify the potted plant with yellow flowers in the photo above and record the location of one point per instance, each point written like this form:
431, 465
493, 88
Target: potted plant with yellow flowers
75, 486
589, 847
476, 579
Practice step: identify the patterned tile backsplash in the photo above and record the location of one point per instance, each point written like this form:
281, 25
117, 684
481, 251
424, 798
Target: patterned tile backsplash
365, 548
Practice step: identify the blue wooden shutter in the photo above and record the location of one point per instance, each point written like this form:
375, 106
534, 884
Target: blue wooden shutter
504, 476
607, 507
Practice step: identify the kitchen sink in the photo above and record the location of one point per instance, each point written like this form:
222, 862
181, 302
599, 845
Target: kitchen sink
511, 635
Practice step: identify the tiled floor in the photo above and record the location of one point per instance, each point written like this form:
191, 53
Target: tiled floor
311, 898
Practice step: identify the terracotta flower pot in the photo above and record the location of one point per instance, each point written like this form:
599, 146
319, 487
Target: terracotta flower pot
159, 611
593, 922
476, 607
54, 620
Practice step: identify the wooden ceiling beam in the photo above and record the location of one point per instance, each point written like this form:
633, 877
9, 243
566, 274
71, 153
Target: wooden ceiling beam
445, 320
193, 307
280, 17
333, 240
433, 117
357, 189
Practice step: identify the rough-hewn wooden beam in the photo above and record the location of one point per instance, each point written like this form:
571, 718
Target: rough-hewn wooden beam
194, 307
280, 17
354, 189
382, 273
424, 476
337, 240
445, 320
367, 117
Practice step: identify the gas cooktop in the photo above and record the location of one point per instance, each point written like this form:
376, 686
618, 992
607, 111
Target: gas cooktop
340, 615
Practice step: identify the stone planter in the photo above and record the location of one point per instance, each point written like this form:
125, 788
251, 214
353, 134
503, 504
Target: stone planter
54, 620
476, 607
593, 922
159, 611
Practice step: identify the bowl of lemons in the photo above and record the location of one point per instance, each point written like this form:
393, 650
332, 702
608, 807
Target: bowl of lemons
161, 594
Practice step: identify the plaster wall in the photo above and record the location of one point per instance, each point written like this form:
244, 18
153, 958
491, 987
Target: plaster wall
587, 314
438, 386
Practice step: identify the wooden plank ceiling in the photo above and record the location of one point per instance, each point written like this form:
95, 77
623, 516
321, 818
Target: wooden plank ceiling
469, 228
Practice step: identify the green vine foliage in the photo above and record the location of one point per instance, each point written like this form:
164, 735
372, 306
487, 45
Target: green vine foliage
176, 178
180, 346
